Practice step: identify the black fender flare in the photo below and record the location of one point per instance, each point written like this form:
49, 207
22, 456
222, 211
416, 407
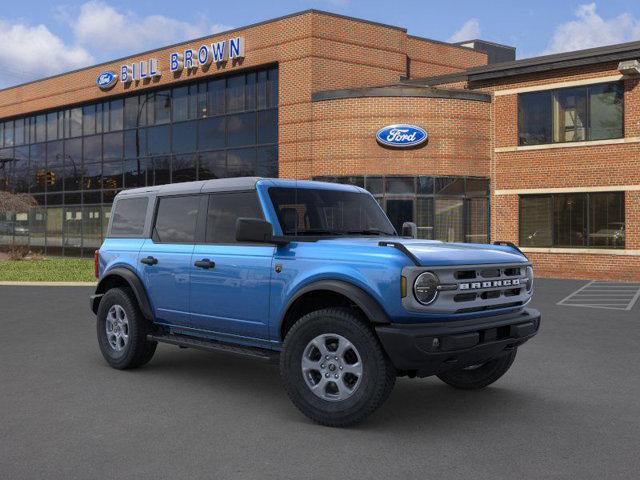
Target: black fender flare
134, 283
369, 306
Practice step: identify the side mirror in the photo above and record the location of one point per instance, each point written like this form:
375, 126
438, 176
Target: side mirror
253, 230
409, 229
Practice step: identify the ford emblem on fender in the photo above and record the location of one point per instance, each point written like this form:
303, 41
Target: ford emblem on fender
401, 136
106, 80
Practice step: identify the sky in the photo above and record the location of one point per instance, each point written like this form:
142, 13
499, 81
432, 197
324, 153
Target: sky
39, 38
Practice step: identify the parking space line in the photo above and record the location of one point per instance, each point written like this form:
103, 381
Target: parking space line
612, 296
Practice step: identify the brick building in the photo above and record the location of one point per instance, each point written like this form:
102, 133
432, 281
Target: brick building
539, 152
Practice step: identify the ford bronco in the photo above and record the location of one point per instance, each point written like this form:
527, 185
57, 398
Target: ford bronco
313, 275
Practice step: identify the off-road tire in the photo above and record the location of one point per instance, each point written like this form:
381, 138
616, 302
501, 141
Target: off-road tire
378, 377
138, 351
482, 376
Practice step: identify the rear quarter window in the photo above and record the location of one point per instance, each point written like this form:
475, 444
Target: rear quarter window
128, 217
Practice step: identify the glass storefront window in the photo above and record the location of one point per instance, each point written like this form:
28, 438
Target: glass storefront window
424, 217
241, 130
116, 118
575, 114
443, 208
400, 185
159, 140
212, 133
77, 159
92, 226
212, 165
449, 219
184, 136
573, 220
477, 213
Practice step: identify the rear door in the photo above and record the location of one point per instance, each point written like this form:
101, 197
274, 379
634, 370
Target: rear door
230, 281
166, 258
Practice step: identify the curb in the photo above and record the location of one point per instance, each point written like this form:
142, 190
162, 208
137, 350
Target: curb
49, 284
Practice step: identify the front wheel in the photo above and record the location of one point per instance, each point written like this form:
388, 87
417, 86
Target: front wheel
334, 369
479, 376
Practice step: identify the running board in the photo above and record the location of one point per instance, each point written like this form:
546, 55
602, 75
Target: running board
216, 346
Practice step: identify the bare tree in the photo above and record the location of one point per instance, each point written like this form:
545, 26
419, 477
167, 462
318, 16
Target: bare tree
16, 202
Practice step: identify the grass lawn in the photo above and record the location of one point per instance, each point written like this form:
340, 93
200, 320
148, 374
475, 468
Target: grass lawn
47, 270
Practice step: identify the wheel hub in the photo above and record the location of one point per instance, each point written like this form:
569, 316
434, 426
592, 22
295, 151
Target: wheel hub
117, 328
332, 367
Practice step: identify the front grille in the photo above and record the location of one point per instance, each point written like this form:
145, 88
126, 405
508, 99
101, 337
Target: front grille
473, 288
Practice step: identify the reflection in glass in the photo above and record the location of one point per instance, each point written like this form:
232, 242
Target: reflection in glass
477, 214
184, 168
184, 137
241, 129
449, 219
212, 165
211, 133
241, 163
73, 156
138, 173
161, 170
158, 140
92, 226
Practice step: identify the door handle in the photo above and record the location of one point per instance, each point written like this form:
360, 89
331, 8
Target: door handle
149, 260
205, 263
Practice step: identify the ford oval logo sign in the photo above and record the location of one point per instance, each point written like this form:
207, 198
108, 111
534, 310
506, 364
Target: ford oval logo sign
401, 136
106, 80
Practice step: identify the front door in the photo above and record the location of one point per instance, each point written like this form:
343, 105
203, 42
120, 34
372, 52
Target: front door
165, 259
230, 282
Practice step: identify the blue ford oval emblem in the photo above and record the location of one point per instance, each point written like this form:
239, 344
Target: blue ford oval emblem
401, 136
106, 80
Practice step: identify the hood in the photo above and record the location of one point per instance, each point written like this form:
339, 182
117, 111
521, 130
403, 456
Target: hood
436, 253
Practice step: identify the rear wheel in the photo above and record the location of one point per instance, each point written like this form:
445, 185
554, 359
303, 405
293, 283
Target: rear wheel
122, 331
479, 376
334, 369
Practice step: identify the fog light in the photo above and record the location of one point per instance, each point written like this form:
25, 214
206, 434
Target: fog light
425, 288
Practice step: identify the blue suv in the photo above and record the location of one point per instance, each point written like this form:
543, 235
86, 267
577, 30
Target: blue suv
313, 275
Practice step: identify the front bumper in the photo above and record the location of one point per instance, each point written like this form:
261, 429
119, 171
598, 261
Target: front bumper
429, 349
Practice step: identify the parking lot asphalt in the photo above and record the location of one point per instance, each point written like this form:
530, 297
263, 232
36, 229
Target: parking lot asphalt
568, 408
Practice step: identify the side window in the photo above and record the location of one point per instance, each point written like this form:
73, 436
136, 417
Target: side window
176, 219
128, 217
224, 209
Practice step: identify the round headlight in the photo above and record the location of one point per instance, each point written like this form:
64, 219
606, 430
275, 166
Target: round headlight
529, 279
425, 288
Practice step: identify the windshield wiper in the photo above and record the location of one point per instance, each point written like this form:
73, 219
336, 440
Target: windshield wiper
317, 231
369, 231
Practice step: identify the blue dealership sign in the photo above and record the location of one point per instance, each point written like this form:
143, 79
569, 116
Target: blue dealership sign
106, 80
401, 136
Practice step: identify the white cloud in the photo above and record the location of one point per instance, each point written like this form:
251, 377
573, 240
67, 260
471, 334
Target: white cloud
469, 31
28, 52
98, 32
589, 29
104, 29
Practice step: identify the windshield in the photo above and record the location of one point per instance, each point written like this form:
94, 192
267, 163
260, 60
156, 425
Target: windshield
305, 211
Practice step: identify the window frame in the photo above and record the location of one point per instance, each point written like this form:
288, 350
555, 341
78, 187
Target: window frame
588, 196
552, 93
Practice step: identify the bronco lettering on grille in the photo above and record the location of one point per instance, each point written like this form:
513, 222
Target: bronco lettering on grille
491, 284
